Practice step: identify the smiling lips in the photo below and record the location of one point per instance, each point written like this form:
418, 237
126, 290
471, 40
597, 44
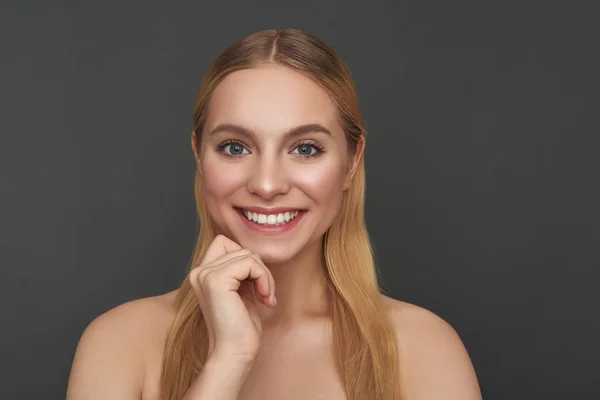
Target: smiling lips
270, 219
273, 217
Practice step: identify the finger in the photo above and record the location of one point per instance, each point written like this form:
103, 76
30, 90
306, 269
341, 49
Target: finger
271, 294
247, 268
220, 246
230, 256
219, 263
245, 253
202, 269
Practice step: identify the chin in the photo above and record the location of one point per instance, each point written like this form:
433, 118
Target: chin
271, 254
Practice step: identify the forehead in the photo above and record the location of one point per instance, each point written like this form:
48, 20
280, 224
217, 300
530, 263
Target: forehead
271, 99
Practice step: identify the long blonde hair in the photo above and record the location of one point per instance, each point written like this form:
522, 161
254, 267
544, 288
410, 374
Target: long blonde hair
363, 336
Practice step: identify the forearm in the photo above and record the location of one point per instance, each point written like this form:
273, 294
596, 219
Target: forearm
220, 379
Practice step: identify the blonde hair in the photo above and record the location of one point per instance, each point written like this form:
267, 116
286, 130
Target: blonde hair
363, 336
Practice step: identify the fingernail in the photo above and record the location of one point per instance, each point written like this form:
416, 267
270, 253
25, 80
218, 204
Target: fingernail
274, 299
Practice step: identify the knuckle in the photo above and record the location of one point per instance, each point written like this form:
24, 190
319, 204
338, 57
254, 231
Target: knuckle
203, 274
221, 238
193, 276
251, 261
259, 262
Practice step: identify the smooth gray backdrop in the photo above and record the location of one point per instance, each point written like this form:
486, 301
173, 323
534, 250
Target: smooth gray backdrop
482, 170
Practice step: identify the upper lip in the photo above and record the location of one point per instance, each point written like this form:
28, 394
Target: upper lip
271, 210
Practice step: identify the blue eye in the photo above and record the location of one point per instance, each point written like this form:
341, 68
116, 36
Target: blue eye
305, 149
235, 148
309, 149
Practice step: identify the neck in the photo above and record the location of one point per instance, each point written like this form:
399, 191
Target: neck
301, 290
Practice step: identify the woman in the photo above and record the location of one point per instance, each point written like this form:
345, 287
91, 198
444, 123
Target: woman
279, 144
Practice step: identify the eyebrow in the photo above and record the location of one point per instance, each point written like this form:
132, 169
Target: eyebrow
298, 130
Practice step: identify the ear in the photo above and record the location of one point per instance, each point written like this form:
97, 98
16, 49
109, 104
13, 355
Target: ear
195, 150
353, 162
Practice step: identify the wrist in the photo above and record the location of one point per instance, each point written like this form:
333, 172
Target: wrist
229, 363
233, 360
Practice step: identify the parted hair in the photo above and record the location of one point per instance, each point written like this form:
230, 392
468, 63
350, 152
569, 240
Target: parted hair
364, 339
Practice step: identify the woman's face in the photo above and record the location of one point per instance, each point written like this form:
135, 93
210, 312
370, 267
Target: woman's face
273, 147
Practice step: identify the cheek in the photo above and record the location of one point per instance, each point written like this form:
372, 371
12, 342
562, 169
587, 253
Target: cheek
322, 183
220, 179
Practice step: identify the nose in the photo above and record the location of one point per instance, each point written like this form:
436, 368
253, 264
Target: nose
268, 178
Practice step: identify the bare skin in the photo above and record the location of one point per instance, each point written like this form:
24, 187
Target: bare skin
120, 353
119, 357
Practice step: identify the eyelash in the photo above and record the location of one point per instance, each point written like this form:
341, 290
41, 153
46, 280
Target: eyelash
320, 150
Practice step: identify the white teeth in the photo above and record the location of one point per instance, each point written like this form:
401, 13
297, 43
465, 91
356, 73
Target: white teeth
271, 219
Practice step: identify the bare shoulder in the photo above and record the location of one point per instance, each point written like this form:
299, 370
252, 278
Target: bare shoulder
434, 362
115, 348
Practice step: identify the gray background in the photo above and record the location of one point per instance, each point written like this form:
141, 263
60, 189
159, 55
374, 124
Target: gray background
482, 170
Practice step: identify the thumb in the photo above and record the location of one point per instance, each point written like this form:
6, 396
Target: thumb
219, 247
